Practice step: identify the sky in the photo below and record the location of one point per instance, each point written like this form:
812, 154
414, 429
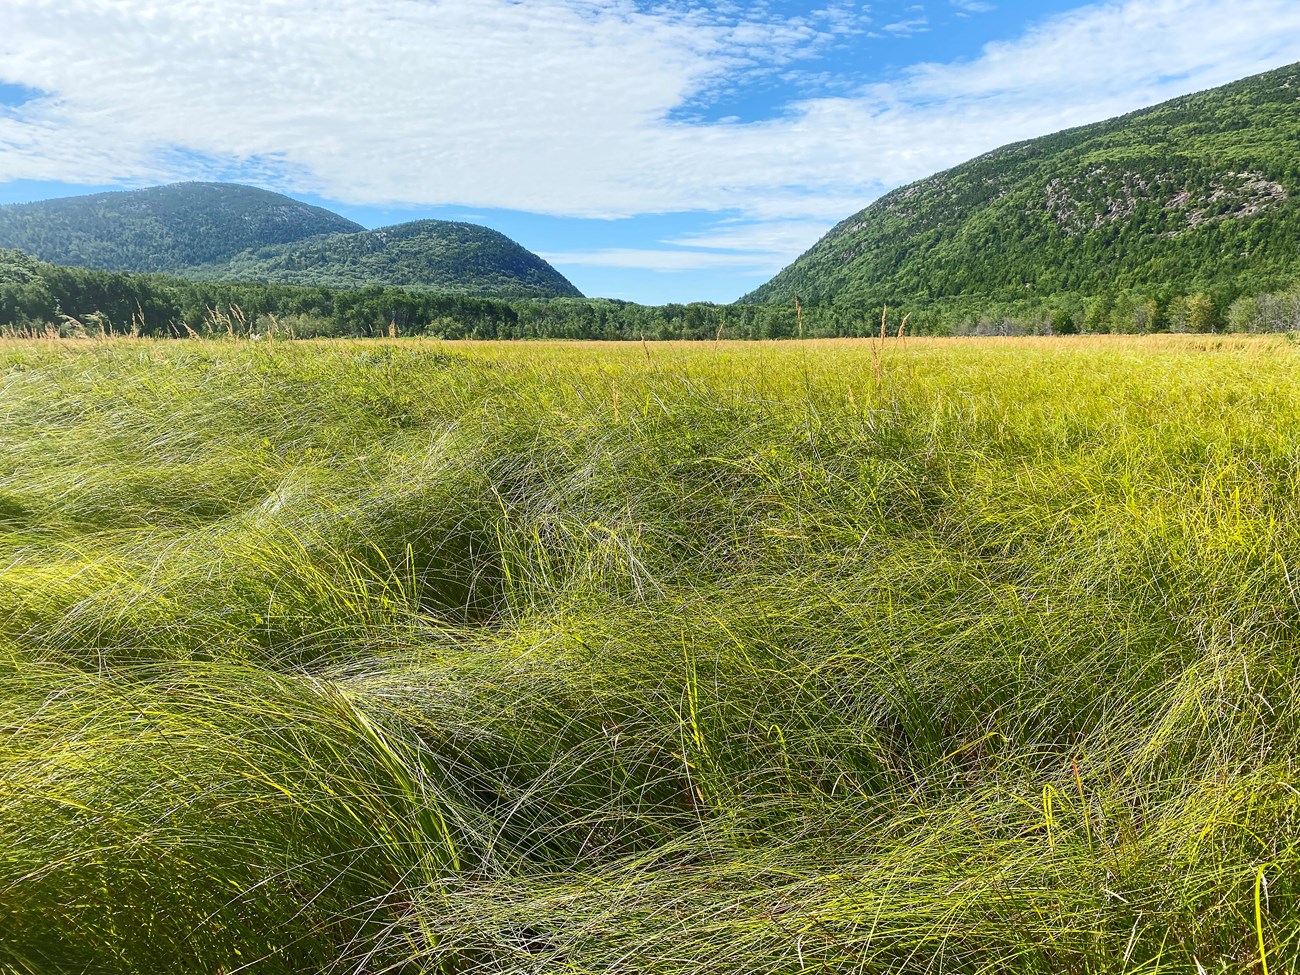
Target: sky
652, 150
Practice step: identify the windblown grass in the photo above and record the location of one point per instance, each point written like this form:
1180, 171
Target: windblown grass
937, 657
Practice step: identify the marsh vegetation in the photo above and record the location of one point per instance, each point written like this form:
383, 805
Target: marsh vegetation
945, 656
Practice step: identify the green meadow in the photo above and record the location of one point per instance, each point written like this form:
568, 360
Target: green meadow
947, 656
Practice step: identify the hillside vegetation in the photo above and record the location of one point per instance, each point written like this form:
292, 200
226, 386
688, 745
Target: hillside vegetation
226, 232
1198, 195
43, 299
459, 258
429, 657
163, 228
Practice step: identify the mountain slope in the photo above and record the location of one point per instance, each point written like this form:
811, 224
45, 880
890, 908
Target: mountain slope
435, 254
163, 228
1199, 193
227, 232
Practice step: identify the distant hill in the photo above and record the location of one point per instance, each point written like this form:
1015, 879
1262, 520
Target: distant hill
462, 258
227, 232
163, 228
1197, 194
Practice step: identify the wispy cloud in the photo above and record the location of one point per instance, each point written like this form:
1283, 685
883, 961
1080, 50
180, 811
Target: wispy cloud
905, 28
756, 248
568, 106
666, 259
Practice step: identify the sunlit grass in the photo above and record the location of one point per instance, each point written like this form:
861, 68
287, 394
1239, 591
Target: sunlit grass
420, 656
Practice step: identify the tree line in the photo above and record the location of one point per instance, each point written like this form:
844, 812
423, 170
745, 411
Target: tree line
37, 298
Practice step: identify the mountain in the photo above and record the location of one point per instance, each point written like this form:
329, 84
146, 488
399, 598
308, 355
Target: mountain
1201, 193
163, 228
440, 255
227, 232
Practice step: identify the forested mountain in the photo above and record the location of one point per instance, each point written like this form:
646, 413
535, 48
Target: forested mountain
461, 258
1199, 194
163, 228
226, 232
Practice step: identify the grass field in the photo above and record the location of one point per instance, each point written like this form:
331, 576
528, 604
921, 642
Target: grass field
947, 656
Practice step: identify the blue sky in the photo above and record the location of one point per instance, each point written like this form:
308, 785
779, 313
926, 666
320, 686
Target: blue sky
653, 150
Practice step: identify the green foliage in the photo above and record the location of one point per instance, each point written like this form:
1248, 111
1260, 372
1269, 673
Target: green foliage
837, 657
164, 228
36, 297
1200, 194
224, 232
455, 258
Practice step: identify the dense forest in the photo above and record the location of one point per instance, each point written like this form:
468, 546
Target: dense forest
439, 255
227, 232
1200, 194
162, 228
36, 297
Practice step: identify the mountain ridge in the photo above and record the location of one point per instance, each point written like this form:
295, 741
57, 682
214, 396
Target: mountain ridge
232, 232
452, 256
161, 228
1201, 192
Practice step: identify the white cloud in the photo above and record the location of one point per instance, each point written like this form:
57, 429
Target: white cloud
756, 248
655, 259
558, 106
769, 237
569, 106
906, 28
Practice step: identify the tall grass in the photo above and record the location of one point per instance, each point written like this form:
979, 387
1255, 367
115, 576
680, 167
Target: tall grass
915, 656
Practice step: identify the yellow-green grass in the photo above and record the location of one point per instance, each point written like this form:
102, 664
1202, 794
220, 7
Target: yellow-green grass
927, 656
